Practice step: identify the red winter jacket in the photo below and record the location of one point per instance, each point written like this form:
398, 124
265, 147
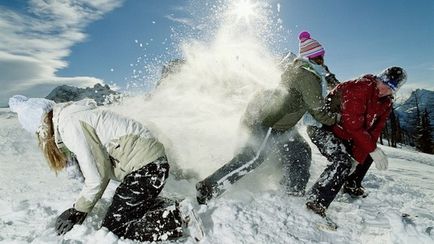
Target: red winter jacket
364, 114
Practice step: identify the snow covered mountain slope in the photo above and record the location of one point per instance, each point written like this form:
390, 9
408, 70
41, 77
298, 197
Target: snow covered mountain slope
407, 110
101, 94
253, 211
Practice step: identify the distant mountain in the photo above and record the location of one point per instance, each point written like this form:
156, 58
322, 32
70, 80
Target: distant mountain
407, 110
101, 94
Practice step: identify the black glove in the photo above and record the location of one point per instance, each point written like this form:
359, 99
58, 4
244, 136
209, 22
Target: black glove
68, 219
331, 79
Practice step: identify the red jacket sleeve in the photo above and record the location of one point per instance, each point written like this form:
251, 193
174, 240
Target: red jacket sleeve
353, 111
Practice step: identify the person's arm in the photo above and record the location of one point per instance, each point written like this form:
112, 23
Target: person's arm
310, 88
90, 153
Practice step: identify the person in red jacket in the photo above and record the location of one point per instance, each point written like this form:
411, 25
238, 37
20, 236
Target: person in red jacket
364, 105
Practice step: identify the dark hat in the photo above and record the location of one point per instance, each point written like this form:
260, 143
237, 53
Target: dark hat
394, 77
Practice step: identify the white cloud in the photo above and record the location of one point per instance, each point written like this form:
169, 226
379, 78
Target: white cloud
184, 21
33, 45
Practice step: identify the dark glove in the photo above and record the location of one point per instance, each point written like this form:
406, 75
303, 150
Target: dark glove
68, 219
331, 79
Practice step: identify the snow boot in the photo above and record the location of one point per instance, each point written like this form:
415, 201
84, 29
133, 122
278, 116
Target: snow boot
204, 192
353, 190
316, 208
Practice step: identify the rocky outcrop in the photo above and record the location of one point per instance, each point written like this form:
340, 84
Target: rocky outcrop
101, 94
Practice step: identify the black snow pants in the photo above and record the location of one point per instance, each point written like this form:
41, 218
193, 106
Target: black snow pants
289, 147
333, 177
137, 212
355, 178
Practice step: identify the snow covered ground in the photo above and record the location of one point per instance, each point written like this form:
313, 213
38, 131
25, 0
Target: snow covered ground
253, 211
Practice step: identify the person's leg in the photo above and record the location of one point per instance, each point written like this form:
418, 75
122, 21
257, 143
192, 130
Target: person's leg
134, 197
295, 155
248, 159
331, 180
353, 184
162, 221
360, 172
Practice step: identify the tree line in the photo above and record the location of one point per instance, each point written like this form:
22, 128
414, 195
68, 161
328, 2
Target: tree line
417, 133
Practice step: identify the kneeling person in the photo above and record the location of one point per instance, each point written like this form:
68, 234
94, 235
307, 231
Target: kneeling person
107, 146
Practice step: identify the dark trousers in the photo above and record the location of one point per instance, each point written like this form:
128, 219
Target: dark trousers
355, 178
333, 177
295, 155
288, 146
137, 212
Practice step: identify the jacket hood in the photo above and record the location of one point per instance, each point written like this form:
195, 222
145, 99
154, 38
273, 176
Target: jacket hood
316, 69
300, 61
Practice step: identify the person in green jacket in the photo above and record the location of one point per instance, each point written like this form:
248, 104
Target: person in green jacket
270, 118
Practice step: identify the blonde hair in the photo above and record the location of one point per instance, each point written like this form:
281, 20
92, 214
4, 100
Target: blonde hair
56, 159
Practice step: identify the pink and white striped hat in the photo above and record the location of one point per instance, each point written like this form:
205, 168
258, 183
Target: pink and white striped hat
308, 47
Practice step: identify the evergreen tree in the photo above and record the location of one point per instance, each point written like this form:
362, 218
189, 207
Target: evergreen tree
392, 130
414, 120
423, 135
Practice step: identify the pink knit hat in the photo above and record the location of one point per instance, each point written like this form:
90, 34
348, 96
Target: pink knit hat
308, 47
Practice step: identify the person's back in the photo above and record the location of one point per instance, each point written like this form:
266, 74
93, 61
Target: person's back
299, 91
363, 110
128, 143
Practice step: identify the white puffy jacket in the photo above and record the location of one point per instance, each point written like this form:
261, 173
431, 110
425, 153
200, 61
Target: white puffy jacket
106, 145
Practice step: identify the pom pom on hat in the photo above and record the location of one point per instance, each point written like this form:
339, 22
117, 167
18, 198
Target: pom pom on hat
30, 111
303, 36
308, 47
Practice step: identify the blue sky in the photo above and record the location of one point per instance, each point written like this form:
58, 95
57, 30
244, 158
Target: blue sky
47, 43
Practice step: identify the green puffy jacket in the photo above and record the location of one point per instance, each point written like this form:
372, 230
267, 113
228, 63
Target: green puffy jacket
298, 92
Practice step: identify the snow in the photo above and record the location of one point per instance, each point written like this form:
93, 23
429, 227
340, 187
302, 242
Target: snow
196, 114
253, 211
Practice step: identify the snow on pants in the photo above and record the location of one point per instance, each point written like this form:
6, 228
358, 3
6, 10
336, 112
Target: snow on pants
137, 213
333, 177
356, 177
289, 147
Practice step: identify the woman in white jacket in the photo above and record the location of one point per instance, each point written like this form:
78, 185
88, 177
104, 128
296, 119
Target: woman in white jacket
106, 146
